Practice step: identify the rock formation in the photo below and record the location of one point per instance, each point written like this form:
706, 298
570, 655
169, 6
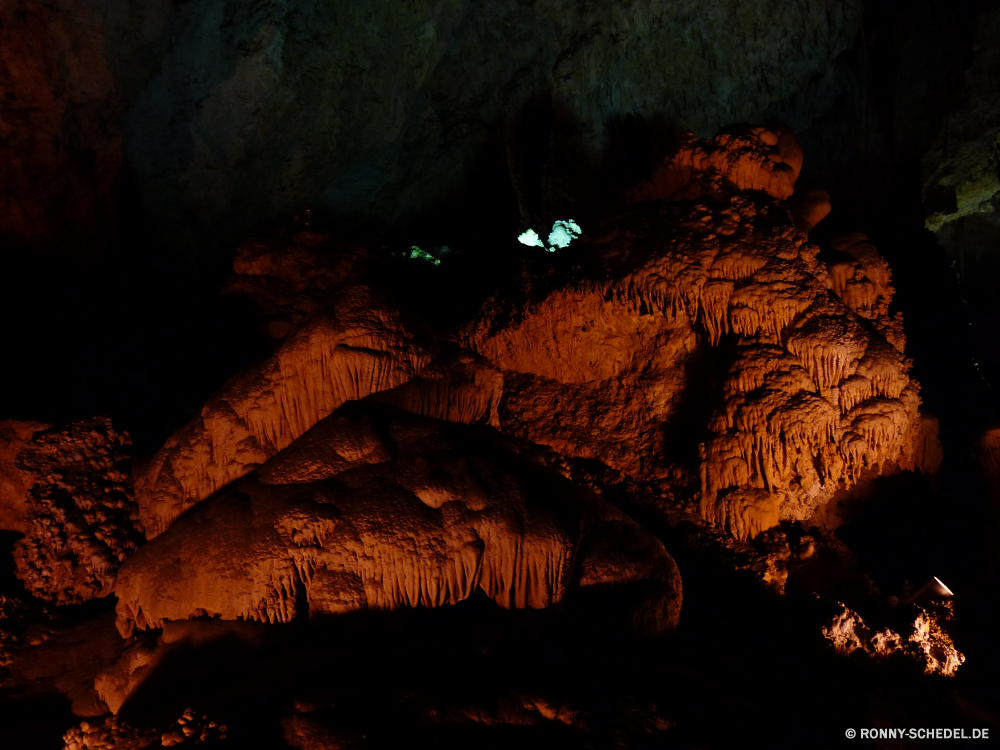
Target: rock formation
928, 642
357, 346
112, 733
816, 388
419, 513
81, 511
15, 482
203, 104
960, 168
60, 154
748, 158
289, 278
12, 611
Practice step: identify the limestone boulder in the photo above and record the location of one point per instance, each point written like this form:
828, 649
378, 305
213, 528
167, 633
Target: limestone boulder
425, 515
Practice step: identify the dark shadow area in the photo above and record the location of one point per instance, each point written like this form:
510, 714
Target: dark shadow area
704, 374
475, 674
8, 578
141, 338
34, 720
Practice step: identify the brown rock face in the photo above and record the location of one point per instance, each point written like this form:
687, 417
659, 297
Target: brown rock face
80, 516
453, 511
289, 278
816, 390
861, 277
357, 346
59, 154
747, 158
15, 482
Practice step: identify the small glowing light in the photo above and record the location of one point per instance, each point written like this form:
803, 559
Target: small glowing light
563, 233
417, 253
947, 590
933, 590
530, 238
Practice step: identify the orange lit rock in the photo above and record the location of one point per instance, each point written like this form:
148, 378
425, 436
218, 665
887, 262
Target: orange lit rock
458, 386
12, 615
15, 482
454, 511
746, 157
112, 733
929, 642
356, 346
81, 512
817, 389
860, 276
290, 277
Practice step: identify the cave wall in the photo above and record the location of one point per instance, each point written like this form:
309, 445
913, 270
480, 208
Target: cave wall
194, 121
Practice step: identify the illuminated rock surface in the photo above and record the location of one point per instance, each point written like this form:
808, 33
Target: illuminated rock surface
355, 347
15, 481
713, 373
80, 520
112, 733
354, 529
928, 642
816, 391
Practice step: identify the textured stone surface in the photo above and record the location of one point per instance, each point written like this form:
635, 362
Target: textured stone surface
60, 149
929, 642
112, 733
226, 114
816, 388
960, 169
119, 679
289, 277
81, 515
15, 482
357, 346
453, 512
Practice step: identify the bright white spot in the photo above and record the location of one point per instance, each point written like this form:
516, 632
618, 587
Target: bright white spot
563, 233
530, 238
947, 590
